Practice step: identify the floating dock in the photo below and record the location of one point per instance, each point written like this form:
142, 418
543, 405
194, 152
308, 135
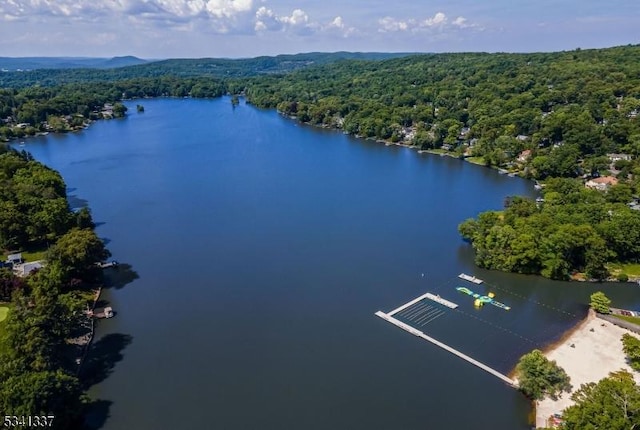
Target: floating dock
429, 296
106, 265
442, 301
388, 317
470, 278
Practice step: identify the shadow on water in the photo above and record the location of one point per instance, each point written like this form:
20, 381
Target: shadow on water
102, 303
97, 414
99, 223
102, 358
119, 277
99, 364
76, 202
105, 353
105, 240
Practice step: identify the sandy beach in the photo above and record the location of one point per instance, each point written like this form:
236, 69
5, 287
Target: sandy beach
595, 354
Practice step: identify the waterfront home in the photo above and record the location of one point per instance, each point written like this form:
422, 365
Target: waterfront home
14, 258
617, 157
23, 270
602, 183
524, 156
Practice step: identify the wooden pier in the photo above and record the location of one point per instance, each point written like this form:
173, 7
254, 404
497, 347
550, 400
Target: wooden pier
388, 317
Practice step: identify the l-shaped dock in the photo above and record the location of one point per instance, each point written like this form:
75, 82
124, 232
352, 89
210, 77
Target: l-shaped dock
389, 317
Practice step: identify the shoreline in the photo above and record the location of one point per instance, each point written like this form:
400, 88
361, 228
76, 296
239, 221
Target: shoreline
588, 352
564, 337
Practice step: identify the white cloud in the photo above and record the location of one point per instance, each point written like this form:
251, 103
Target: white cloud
389, 24
217, 16
439, 21
266, 19
336, 23
299, 23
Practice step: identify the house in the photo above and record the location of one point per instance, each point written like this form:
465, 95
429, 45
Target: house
524, 155
14, 258
26, 268
618, 157
602, 183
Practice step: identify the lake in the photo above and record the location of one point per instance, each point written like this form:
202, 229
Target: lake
261, 250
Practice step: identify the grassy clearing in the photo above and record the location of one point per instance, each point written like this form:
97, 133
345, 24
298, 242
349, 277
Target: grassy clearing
4, 311
476, 160
633, 320
631, 269
30, 254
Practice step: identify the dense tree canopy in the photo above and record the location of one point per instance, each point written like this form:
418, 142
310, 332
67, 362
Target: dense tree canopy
538, 377
78, 251
612, 404
573, 230
37, 366
33, 201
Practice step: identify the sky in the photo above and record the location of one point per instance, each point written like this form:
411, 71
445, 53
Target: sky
155, 29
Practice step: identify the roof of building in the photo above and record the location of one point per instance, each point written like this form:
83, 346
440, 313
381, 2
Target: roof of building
608, 180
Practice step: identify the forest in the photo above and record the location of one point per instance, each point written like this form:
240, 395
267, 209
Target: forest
573, 115
563, 119
219, 68
38, 365
574, 229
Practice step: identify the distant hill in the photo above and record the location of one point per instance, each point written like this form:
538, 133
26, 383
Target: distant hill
35, 63
56, 71
127, 60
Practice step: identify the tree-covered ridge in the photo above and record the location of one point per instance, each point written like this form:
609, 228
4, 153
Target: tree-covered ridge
8, 64
186, 68
40, 109
486, 105
574, 229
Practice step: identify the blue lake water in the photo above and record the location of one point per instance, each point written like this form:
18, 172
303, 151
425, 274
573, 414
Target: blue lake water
263, 248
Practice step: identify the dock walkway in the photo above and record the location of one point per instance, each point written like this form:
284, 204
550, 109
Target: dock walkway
436, 342
442, 301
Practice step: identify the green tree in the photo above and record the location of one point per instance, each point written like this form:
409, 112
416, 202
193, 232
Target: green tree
78, 251
613, 404
538, 377
119, 110
620, 193
631, 347
43, 393
600, 303
84, 219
